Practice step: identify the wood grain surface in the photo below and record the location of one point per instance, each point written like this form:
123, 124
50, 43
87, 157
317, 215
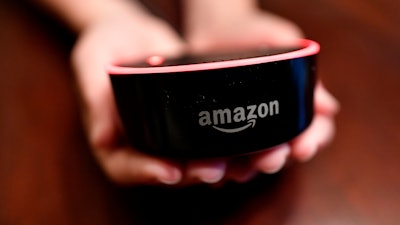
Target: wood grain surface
48, 176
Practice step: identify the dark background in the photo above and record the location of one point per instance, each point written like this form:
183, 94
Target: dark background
47, 175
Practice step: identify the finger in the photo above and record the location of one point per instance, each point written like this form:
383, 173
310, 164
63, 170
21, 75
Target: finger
129, 167
316, 136
272, 160
207, 171
324, 102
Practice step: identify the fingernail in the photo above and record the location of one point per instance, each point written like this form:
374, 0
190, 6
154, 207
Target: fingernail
212, 174
168, 176
173, 176
276, 160
312, 149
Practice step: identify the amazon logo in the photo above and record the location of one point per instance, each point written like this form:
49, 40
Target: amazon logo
244, 117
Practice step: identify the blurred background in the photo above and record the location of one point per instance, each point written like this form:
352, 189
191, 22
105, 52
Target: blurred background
47, 175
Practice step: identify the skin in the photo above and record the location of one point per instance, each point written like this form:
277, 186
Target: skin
119, 31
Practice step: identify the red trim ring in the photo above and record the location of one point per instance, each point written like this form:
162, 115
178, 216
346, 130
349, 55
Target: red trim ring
309, 48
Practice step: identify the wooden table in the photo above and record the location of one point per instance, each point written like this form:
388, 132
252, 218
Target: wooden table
47, 175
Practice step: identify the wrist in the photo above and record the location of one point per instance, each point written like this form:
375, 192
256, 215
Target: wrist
208, 16
206, 11
79, 15
108, 11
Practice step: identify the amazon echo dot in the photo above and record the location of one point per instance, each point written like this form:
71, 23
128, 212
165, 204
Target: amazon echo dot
218, 104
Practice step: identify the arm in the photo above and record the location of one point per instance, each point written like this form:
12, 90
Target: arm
80, 14
109, 31
119, 30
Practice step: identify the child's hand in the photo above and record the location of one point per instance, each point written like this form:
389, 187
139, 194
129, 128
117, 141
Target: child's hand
126, 36
120, 37
253, 27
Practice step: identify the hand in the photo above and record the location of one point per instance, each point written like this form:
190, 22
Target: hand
127, 37
124, 36
242, 25
254, 28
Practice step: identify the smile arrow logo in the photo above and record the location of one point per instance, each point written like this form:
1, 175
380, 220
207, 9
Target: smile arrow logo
250, 123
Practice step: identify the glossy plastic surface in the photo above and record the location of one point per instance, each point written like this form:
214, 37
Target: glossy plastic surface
216, 112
